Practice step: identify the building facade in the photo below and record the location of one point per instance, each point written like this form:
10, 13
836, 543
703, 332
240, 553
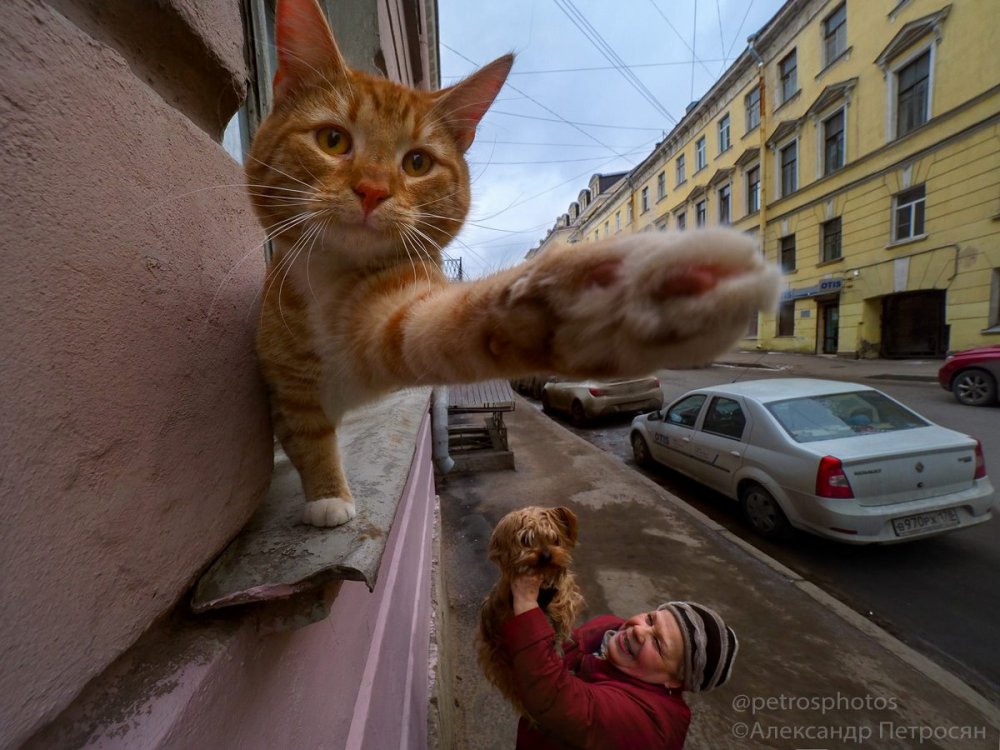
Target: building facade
859, 142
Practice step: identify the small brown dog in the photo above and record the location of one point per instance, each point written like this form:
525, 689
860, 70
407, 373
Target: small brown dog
531, 539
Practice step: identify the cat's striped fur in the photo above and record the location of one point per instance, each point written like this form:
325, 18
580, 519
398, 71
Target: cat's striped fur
356, 304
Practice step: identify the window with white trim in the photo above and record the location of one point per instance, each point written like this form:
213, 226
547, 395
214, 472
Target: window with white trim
788, 74
628, 213
661, 186
607, 228
682, 220
680, 169
700, 213
832, 248
913, 87
700, 154
752, 104
788, 158
835, 34
618, 221
724, 141
645, 199
908, 214
833, 142
724, 201
753, 189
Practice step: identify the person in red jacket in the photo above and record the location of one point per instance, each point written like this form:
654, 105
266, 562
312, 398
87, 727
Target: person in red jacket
619, 683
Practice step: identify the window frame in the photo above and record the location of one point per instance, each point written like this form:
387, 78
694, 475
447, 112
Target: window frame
725, 127
681, 167
708, 413
785, 76
700, 154
644, 196
753, 195
892, 104
681, 220
628, 213
829, 57
701, 212
825, 140
786, 246
618, 221
785, 319
793, 142
911, 204
661, 185
827, 233
725, 194
754, 94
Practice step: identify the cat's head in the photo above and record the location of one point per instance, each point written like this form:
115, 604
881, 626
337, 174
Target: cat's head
372, 170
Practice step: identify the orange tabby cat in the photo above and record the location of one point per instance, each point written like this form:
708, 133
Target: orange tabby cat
364, 181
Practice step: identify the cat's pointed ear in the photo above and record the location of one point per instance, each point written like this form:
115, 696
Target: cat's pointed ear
306, 47
463, 105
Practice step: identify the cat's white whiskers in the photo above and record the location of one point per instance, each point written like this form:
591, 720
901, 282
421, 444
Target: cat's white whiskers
285, 259
275, 169
321, 229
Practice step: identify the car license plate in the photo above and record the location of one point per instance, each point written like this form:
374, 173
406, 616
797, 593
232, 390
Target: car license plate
921, 522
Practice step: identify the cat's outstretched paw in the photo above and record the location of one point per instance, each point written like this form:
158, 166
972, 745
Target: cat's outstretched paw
630, 305
329, 512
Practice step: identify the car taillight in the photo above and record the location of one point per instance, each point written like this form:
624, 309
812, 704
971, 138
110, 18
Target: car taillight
980, 462
597, 392
831, 481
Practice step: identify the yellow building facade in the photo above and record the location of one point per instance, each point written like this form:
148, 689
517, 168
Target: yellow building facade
859, 141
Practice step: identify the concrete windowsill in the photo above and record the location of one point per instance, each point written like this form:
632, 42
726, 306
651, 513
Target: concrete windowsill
276, 556
907, 241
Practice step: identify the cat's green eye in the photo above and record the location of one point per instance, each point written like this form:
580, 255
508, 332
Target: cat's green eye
417, 163
333, 140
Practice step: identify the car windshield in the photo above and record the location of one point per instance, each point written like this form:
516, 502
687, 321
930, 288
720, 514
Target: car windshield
841, 415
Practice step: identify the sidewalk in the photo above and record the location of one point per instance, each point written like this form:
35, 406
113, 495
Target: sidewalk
821, 674
820, 366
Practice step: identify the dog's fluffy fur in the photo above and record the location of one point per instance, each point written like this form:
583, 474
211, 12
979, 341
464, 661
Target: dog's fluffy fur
525, 540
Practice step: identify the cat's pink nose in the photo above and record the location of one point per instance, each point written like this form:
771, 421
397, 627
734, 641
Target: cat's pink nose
371, 194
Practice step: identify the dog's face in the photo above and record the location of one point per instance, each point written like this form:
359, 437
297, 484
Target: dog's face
534, 539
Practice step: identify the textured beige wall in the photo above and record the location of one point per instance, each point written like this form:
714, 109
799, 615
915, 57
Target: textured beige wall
135, 438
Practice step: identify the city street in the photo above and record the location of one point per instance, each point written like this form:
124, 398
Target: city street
939, 595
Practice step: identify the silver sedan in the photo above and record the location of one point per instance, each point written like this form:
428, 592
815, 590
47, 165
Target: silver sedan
840, 460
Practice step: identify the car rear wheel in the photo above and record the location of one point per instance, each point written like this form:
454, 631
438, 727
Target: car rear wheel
763, 513
974, 387
577, 414
641, 451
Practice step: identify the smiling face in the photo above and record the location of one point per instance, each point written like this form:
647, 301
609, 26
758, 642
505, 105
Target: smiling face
649, 647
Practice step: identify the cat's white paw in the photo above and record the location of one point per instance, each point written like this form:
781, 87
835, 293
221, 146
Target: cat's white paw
328, 512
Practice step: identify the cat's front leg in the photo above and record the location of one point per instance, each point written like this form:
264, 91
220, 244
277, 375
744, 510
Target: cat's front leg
310, 441
621, 307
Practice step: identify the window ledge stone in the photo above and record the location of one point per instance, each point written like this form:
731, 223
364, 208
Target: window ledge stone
830, 262
276, 556
908, 241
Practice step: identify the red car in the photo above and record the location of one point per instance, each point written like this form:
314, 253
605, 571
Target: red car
972, 375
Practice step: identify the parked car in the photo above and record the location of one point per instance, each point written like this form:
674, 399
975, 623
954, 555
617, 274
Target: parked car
588, 399
972, 375
840, 460
530, 385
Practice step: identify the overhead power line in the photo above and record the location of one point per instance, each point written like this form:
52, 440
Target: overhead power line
604, 67
543, 106
681, 36
568, 122
594, 37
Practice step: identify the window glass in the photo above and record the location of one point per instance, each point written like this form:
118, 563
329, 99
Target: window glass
724, 195
680, 169
724, 134
786, 318
752, 103
842, 415
700, 157
831, 240
753, 190
685, 411
833, 135
724, 417
913, 82
835, 34
787, 72
909, 218
788, 253
789, 174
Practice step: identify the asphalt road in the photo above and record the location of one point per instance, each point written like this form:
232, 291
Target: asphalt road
940, 595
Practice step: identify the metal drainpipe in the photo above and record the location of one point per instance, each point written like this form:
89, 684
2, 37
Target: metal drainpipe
439, 430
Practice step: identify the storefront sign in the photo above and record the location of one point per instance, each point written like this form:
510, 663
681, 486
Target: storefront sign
826, 286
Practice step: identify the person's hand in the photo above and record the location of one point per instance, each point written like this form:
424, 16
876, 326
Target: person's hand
525, 592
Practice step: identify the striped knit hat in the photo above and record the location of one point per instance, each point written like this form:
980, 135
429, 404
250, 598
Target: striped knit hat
710, 645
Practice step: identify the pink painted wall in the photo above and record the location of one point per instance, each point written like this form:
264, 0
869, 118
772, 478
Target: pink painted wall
135, 435
357, 679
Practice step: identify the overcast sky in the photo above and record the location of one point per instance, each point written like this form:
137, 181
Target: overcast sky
528, 163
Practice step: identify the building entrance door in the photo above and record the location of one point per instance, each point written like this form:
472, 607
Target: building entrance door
829, 326
913, 324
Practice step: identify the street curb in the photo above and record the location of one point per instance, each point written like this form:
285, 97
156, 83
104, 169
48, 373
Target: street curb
930, 669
